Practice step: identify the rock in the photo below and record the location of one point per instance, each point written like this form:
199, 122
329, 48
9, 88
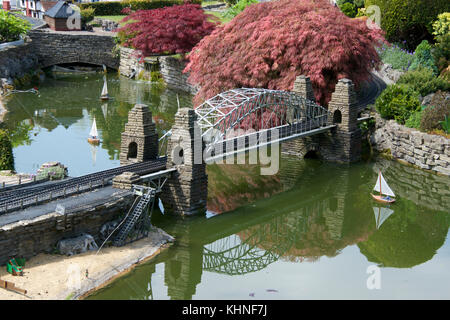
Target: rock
427, 99
77, 245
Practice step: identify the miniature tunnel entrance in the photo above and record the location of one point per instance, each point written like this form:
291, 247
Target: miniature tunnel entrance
337, 117
312, 154
132, 150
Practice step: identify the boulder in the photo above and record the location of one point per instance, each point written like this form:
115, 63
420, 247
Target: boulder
77, 245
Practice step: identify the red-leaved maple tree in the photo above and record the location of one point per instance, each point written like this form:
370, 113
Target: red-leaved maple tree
269, 44
168, 30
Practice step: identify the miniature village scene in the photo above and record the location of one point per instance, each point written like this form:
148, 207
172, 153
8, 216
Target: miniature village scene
224, 149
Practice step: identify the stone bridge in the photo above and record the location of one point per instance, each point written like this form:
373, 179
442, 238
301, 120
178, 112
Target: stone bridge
202, 133
53, 47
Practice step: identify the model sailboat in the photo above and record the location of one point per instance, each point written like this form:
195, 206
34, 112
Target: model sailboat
93, 135
385, 192
105, 95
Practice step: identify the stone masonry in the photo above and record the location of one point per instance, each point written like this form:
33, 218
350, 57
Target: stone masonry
126, 180
16, 61
139, 140
426, 151
342, 144
185, 193
171, 69
53, 47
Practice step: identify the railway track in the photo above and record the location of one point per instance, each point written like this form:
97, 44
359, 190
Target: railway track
18, 199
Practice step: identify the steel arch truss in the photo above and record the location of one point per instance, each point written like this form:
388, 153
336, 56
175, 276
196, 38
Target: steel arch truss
257, 109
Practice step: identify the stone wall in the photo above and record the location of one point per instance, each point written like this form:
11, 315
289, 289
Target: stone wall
28, 238
52, 47
171, 69
427, 151
16, 61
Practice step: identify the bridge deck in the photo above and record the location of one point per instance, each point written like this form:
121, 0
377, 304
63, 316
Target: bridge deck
20, 198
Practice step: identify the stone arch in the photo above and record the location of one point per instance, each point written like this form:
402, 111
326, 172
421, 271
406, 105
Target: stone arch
132, 150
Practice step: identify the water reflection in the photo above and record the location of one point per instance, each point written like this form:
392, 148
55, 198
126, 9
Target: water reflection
316, 215
55, 124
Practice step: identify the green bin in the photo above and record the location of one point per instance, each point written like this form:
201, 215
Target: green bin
15, 266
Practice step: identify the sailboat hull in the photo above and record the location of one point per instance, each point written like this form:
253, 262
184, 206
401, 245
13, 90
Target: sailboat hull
382, 199
93, 141
104, 98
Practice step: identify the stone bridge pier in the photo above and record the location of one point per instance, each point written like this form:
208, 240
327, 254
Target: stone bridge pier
341, 144
186, 191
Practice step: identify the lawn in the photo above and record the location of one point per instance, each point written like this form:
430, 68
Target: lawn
219, 15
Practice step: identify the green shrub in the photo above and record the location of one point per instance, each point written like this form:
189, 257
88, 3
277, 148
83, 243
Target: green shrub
446, 124
11, 27
238, 7
409, 20
423, 58
414, 120
423, 81
397, 57
87, 15
349, 9
398, 102
441, 26
114, 8
6, 153
434, 114
441, 52
231, 3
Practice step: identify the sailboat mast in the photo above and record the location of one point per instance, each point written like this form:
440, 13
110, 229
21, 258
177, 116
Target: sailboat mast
380, 182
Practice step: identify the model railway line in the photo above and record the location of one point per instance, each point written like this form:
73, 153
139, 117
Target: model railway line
21, 198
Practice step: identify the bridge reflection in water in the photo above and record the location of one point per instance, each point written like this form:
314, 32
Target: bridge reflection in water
320, 210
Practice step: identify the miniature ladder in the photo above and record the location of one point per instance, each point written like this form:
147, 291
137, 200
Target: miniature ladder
138, 214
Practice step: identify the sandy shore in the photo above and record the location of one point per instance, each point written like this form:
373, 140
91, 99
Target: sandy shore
57, 277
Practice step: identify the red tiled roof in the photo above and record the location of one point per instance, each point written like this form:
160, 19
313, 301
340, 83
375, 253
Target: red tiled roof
47, 5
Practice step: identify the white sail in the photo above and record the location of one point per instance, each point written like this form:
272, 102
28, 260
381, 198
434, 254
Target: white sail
94, 132
381, 214
382, 187
105, 88
94, 154
105, 110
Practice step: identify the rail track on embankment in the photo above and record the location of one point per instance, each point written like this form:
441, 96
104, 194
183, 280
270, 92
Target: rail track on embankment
18, 199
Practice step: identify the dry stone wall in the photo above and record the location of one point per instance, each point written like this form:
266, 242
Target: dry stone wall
16, 61
28, 238
427, 151
171, 69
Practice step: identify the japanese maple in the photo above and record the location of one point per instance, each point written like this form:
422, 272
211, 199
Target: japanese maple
168, 30
270, 43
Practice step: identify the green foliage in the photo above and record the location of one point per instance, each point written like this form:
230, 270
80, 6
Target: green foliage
434, 114
423, 58
441, 26
414, 120
399, 58
114, 8
349, 9
397, 102
446, 124
409, 20
87, 15
11, 27
53, 173
231, 3
441, 52
423, 81
238, 7
6, 153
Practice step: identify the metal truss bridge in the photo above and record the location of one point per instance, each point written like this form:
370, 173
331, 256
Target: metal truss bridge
239, 120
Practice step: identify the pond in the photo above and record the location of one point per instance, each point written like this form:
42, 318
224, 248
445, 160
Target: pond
311, 231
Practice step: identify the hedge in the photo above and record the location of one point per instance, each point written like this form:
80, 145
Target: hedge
114, 8
6, 153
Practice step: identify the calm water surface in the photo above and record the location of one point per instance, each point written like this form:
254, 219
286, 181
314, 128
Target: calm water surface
311, 231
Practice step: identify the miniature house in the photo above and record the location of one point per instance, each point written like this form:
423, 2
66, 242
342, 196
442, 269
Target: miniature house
62, 17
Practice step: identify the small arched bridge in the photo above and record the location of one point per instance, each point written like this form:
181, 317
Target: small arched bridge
63, 47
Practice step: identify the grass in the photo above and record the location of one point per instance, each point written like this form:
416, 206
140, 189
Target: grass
222, 19
112, 18
210, 3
